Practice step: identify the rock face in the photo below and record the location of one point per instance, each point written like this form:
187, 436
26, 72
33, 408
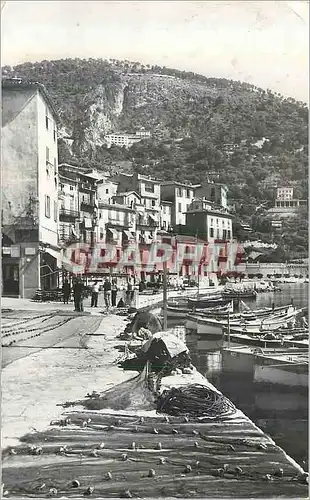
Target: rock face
241, 134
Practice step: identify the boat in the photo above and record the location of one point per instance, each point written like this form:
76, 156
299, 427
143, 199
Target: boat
267, 340
234, 294
181, 312
250, 360
204, 303
214, 326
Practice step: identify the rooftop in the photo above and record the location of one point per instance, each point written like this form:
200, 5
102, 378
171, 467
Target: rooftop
20, 84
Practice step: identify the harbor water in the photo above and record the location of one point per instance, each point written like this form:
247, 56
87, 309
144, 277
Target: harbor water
280, 412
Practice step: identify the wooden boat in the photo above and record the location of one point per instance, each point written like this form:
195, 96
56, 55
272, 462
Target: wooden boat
265, 341
182, 312
247, 315
213, 326
234, 294
204, 303
279, 366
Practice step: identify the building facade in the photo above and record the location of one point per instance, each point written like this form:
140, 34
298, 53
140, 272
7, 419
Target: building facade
285, 205
214, 192
180, 195
29, 188
210, 223
166, 215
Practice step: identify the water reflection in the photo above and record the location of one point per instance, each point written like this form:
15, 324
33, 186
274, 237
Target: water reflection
281, 413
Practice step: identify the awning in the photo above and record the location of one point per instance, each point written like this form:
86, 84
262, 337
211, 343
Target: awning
153, 218
129, 235
114, 233
148, 238
74, 232
55, 254
88, 223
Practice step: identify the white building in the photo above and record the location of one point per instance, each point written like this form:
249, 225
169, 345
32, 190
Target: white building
181, 196
122, 140
29, 188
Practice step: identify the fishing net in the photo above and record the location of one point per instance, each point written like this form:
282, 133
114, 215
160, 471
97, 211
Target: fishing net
194, 400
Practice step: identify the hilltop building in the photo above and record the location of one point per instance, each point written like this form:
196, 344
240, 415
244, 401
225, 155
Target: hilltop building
285, 204
126, 140
30, 250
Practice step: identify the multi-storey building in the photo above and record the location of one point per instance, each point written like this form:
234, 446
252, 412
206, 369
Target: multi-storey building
181, 196
69, 210
29, 189
116, 223
214, 192
148, 212
126, 140
166, 215
285, 205
106, 189
122, 140
285, 193
210, 222
78, 205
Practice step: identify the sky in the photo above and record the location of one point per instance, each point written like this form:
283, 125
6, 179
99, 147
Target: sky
261, 42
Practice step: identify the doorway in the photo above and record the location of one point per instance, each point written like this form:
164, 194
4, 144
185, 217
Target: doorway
10, 277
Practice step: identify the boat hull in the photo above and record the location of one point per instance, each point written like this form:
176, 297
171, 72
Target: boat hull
290, 376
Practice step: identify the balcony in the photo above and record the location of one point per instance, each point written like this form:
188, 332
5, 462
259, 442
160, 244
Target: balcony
86, 186
147, 222
72, 214
126, 222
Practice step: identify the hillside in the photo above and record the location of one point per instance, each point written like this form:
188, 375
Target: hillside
250, 138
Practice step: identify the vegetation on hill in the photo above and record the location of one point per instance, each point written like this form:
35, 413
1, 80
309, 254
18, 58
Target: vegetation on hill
236, 133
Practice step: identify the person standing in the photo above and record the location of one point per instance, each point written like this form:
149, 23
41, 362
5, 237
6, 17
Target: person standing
129, 292
78, 291
94, 295
114, 290
66, 290
107, 293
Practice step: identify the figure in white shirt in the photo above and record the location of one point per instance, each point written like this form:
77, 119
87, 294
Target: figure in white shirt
94, 295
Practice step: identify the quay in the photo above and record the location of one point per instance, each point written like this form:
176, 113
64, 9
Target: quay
129, 451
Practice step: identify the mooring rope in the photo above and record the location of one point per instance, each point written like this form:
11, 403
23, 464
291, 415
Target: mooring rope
194, 400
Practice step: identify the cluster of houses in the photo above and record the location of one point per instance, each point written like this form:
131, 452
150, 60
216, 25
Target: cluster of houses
47, 206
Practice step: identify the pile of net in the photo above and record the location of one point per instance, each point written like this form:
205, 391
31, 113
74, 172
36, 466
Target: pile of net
196, 401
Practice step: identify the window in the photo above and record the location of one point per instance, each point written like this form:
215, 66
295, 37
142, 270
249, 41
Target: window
55, 211
55, 166
47, 206
54, 133
46, 117
228, 234
179, 191
211, 232
211, 223
71, 188
217, 222
218, 234
62, 187
188, 193
180, 207
47, 155
224, 234
107, 191
149, 188
153, 203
